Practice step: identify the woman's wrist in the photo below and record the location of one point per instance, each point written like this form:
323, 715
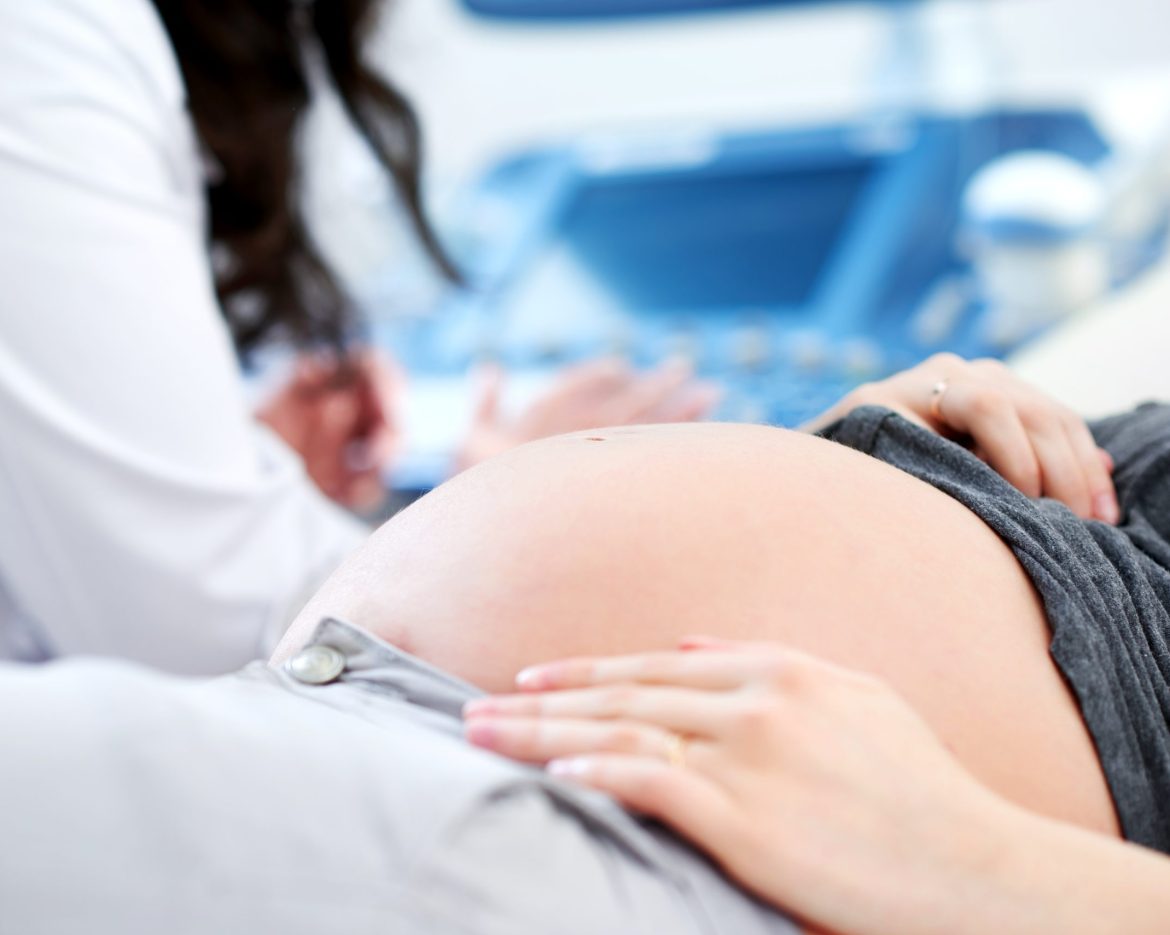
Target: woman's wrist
997, 875
1045, 876
971, 881
976, 860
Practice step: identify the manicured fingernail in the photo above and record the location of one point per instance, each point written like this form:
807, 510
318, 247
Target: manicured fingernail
478, 707
480, 733
531, 678
569, 767
702, 642
1106, 509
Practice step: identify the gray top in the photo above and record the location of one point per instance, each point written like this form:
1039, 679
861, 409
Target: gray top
336, 795
1105, 589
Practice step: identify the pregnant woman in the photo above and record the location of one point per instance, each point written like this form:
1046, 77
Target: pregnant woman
1028, 638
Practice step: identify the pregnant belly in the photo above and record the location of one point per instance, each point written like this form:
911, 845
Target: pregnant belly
626, 539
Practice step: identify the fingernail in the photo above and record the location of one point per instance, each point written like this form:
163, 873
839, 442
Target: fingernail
702, 642
570, 767
480, 733
478, 707
1106, 508
531, 678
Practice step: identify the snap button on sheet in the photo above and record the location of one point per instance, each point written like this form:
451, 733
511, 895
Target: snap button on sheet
316, 665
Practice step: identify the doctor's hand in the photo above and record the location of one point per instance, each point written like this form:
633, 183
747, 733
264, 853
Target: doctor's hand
816, 788
598, 394
339, 417
1035, 443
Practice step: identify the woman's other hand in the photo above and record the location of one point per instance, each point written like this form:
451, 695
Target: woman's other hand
817, 788
340, 417
1038, 445
601, 393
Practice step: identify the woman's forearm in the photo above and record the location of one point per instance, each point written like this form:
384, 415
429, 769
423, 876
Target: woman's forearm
1052, 877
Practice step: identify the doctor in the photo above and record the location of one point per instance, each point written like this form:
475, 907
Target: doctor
150, 236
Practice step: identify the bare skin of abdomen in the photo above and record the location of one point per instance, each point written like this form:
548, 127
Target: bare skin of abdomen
627, 539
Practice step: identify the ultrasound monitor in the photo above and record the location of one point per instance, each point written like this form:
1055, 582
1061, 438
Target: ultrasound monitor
700, 242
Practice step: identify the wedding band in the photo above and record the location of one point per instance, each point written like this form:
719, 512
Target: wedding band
938, 391
676, 750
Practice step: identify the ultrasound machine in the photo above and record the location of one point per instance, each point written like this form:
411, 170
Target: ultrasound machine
789, 264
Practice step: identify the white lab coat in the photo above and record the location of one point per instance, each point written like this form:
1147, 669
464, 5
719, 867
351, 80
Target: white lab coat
143, 512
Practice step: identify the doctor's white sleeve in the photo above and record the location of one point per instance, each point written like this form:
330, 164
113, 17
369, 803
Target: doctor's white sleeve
143, 512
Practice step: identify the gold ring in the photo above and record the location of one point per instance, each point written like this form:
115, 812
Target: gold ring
937, 392
676, 750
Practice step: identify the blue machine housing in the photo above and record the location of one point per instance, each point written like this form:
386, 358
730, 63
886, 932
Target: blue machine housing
586, 9
789, 266
609, 9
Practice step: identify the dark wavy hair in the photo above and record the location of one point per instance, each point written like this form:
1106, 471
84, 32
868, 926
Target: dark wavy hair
243, 62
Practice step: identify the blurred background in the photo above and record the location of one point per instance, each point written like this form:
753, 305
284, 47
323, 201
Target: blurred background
794, 196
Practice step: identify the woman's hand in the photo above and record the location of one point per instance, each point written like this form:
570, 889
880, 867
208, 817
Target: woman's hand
593, 395
817, 788
339, 417
1038, 445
